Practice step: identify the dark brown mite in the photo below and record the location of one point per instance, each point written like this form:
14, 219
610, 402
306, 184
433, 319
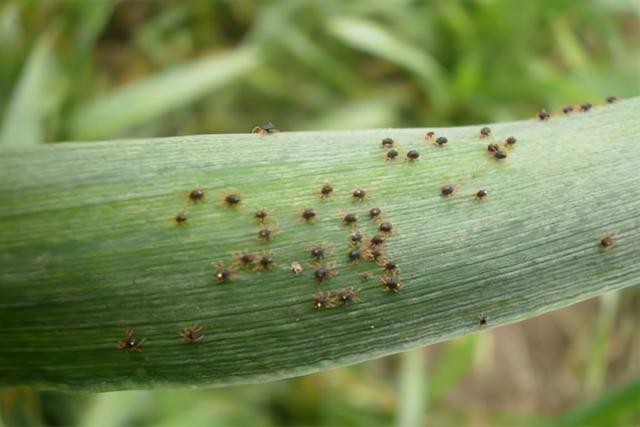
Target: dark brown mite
192, 334
481, 194
447, 190
607, 242
317, 252
350, 218
181, 218
485, 132
265, 234
260, 215
375, 213
309, 214
377, 240
387, 142
441, 141
322, 273
429, 135
385, 228
543, 115
492, 148
389, 266
611, 99
568, 109
585, 107
348, 296
354, 255
267, 128
511, 140
324, 300
196, 195
130, 343
243, 259
232, 199
265, 262
500, 154
392, 154
355, 237
223, 274
359, 194
326, 190
413, 155
482, 321
391, 283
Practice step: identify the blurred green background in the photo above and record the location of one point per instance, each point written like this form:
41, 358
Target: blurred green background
97, 69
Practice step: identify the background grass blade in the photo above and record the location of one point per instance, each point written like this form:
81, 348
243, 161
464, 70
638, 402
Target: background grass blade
38, 93
144, 100
89, 246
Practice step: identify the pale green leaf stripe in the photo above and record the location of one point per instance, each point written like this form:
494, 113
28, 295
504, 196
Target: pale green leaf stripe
151, 97
88, 246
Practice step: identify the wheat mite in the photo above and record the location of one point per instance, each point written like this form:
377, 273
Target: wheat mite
388, 143
324, 300
366, 276
607, 242
266, 234
392, 154
323, 272
354, 255
413, 155
500, 154
485, 132
441, 141
391, 283
130, 343
389, 266
481, 321
265, 262
317, 252
492, 148
355, 237
232, 199
223, 274
348, 295
568, 109
585, 107
373, 253
196, 195
429, 135
385, 228
359, 194
481, 194
510, 140
611, 99
375, 213
181, 217
350, 218
192, 334
243, 259
543, 115
326, 190
266, 129
447, 189
377, 240
261, 215
309, 214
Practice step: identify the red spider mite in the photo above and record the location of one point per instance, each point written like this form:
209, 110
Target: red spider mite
130, 343
192, 334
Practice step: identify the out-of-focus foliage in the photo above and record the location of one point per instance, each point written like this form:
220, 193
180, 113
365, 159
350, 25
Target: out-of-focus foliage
104, 69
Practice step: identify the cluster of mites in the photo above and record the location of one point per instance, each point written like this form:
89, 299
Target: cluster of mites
362, 247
